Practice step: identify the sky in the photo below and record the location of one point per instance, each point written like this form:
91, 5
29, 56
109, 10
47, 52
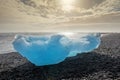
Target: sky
59, 15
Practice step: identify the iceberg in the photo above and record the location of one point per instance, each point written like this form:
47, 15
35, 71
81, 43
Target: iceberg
54, 48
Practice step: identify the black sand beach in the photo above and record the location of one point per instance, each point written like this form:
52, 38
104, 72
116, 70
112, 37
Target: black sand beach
100, 64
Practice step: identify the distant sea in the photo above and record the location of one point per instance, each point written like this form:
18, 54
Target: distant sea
6, 43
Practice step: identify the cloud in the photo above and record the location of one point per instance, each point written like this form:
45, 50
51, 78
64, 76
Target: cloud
106, 11
112, 17
45, 13
49, 11
109, 6
89, 11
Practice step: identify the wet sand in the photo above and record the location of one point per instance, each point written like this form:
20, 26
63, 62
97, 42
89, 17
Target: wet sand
100, 64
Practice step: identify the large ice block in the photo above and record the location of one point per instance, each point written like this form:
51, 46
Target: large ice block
55, 48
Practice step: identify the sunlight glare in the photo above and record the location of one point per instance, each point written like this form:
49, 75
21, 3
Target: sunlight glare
67, 5
67, 33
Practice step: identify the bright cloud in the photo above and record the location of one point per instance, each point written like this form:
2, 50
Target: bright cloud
47, 13
53, 11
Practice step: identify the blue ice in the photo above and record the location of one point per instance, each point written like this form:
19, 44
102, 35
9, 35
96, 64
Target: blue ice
54, 48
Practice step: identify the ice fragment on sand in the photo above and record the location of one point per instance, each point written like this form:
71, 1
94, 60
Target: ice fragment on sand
52, 49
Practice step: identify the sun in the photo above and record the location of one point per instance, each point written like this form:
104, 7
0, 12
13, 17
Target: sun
67, 5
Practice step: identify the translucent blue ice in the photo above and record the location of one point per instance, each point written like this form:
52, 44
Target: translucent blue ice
53, 49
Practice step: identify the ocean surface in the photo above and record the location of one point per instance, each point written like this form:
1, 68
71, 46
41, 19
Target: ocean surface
6, 43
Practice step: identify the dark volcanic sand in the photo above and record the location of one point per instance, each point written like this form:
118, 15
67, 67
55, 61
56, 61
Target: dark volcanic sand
100, 64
